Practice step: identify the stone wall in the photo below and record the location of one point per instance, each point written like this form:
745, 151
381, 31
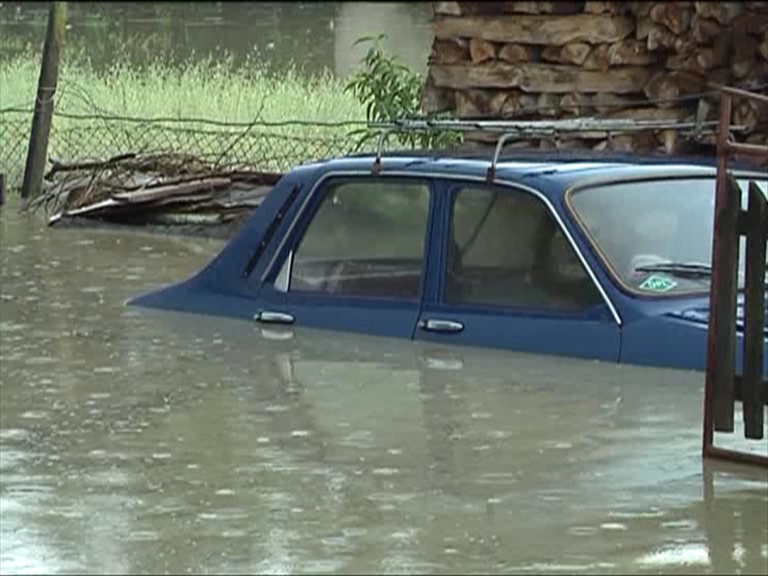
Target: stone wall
641, 60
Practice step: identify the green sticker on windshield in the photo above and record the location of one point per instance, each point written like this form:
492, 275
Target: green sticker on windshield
657, 284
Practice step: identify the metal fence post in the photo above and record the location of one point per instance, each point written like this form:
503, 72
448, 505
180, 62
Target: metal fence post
46, 88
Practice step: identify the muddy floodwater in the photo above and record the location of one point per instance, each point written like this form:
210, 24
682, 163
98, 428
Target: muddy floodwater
136, 441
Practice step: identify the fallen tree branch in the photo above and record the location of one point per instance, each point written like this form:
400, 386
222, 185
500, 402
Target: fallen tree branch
59, 166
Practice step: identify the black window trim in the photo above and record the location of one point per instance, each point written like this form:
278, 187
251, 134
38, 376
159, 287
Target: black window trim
271, 229
498, 188
272, 268
308, 209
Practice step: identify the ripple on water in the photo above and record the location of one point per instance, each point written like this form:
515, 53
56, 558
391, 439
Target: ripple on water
679, 525
276, 408
688, 554
582, 530
105, 370
35, 414
650, 513
494, 478
143, 536
551, 568
385, 471
354, 532
386, 497
358, 439
68, 512
39, 360
14, 434
322, 566
613, 526
8, 326
10, 458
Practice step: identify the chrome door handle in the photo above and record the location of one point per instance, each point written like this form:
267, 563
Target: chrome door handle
271, 317
441, 325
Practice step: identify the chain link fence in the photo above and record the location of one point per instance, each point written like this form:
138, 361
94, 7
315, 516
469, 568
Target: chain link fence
272, 147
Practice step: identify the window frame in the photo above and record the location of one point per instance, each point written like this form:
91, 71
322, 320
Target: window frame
278, 273
441, 184
504, 188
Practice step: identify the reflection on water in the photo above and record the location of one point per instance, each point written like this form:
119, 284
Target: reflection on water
137, 441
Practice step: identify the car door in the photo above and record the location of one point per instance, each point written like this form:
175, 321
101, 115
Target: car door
355, 260
507, 276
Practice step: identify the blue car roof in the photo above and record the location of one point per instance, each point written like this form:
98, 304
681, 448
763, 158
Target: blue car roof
559, 170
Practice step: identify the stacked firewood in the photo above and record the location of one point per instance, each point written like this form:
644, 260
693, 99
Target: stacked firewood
659, 61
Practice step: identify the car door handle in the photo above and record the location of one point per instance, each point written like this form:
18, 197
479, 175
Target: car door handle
271, 317
436, 325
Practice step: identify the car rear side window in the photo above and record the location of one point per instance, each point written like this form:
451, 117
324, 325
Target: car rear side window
506, 249
365, 239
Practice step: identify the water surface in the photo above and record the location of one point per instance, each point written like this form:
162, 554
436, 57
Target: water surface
312, 36
135, 441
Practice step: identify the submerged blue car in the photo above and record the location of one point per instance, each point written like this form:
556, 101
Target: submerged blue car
604, 258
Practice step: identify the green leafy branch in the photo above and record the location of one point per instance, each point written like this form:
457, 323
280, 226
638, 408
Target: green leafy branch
390, 91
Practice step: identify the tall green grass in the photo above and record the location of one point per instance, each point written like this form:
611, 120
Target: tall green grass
206, 89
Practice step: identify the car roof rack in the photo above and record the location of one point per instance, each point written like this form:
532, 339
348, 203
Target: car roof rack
509, 130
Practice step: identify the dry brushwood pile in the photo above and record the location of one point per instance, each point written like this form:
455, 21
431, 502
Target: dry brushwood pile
661, 61
159, 189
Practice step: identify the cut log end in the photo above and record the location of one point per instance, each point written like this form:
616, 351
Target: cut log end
481, 51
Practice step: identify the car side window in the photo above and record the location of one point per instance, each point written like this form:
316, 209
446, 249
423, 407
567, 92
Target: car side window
366, 239
506, 249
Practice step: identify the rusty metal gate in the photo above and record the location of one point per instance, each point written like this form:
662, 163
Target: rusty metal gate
723, 386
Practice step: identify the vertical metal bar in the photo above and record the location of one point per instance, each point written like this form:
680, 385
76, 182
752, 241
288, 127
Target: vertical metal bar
726, 351
715, 317
753, 390
376, 168
491, 174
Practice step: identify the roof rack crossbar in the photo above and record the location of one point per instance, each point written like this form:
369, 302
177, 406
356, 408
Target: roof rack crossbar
520, 129
548, 127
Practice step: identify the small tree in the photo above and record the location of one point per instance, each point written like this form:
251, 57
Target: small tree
391, 91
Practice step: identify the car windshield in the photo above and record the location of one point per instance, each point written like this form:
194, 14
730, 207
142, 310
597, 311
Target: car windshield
656, 236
